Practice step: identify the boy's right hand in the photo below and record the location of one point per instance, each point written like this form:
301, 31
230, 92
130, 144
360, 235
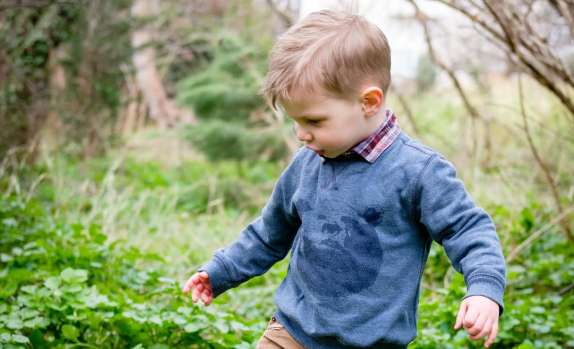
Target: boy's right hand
199, 282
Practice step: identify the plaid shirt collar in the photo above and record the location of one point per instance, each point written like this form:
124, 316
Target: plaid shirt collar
371, 148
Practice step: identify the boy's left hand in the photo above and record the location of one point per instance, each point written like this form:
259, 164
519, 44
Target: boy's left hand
479, 316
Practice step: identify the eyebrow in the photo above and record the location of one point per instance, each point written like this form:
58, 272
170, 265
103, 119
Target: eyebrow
315, 117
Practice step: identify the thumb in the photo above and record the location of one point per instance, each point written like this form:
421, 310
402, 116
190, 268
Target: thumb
461, 314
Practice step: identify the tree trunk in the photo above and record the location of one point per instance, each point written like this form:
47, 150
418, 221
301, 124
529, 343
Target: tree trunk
161, 108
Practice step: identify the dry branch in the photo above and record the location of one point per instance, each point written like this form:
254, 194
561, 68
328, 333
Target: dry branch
511, 29
545, 169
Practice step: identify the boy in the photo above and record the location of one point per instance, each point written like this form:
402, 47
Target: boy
359, 206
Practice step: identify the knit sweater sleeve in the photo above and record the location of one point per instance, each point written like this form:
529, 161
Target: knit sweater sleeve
467, 232
262, 243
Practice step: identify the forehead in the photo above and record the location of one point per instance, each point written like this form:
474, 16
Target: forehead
312, 104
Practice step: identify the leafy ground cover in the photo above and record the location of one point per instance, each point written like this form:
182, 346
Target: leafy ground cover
66, 284
93, 254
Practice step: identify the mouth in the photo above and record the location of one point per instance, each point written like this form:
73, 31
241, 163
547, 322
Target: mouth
319, 152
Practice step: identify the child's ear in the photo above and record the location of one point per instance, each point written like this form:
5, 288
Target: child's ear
371, 100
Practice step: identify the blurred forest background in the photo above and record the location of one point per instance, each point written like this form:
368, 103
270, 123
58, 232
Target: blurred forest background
133, 143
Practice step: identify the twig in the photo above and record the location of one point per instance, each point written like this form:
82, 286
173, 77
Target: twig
408, 111
421, 17
545, 169
284, 15
565, 289
537, 234
528, 49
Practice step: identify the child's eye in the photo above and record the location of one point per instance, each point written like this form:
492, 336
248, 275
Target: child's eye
313, 121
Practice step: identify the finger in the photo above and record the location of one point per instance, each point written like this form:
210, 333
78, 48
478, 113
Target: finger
190, 283
209, 300
461, 314
205, 298
470, 318
492, 335
200, 287
478, 326
195, 295
486, 327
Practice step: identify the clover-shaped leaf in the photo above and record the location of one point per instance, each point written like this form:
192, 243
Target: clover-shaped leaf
70, 275
70, 332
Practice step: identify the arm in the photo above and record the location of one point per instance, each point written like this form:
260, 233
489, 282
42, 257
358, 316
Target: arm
470, 241
466, 231
261, 244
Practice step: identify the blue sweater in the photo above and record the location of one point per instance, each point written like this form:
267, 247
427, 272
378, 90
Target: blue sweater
360, 235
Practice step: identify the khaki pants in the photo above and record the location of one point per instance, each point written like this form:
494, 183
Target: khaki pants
277, 337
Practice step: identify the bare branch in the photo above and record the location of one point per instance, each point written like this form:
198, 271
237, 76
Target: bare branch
421, 17
286, 17
537, 234
545, 169
565, 289
567, 13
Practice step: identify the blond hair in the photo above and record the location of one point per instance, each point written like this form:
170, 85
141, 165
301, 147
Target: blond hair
331, 53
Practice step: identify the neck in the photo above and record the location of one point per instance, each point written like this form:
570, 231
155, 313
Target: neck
377, 119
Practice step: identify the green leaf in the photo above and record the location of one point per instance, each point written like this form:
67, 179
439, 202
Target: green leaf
45, 322
70, 332
5, 337
193, 327
70, 275
33, 322
20, 339
159, 346
4, 258
2, 308
29, 313
30, 245
10, 222
139, 346
73, 288
58, 307
9, 289
15, 324
185, 311
221, 325
156, 320
76, 317
179, 320
37, 339
524, 346
30, 289
53, 282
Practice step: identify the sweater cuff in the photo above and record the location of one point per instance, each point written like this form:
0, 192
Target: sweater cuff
486, 286
218, 276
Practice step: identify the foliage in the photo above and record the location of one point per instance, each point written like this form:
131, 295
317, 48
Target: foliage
65, 284
225, 95
34, 39
68, 284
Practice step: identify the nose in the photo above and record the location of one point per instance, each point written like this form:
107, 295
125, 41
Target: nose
302, 134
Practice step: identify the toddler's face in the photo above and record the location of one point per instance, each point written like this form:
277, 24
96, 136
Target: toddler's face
328, 126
